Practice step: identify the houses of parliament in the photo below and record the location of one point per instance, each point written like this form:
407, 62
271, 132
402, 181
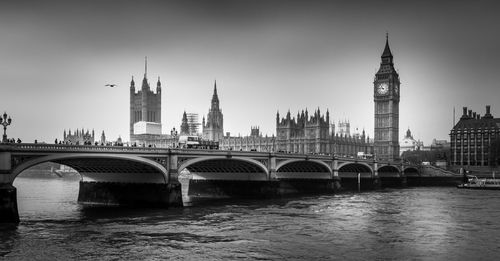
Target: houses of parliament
307, 132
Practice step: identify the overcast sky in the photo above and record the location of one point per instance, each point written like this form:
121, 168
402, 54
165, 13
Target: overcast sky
56, 57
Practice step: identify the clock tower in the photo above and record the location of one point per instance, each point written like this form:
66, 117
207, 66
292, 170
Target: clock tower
386, 97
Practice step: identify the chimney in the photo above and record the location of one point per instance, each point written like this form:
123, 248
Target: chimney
478, 116
474, 115
470, 113
465, 111
488, 115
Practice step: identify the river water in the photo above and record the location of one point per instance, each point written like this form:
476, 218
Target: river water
426, 223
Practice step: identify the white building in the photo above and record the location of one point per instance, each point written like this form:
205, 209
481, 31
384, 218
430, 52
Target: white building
408, 143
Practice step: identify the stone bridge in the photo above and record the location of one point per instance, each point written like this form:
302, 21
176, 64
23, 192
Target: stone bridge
150, 176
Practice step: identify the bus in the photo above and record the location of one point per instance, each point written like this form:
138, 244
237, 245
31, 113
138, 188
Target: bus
195, 142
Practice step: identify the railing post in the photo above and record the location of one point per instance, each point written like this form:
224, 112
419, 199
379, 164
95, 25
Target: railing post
335, 168
272, 167
173, 172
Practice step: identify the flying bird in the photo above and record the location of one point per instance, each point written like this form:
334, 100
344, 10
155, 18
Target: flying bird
110, 85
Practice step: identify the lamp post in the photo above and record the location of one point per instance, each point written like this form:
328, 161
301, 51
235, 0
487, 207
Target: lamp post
5, 122
173, 133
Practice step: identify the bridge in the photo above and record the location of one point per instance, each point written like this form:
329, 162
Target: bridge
151, 176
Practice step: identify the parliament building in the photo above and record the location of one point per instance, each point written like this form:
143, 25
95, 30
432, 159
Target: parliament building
305, 133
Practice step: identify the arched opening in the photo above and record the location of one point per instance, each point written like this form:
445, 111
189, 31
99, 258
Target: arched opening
303, 169
221, 178
411, 172
388, 171
356, 176
223, 169
53, 185
351, 170
105, 168
48, 190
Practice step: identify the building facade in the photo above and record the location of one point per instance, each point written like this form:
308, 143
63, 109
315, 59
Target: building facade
471, 137
408, 143
344, 128
213, 127
386, 96
254, 142
184, 125
312, 134
79, 137
145, 108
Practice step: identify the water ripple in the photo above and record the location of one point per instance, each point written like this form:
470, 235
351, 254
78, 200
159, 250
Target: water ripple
405, 224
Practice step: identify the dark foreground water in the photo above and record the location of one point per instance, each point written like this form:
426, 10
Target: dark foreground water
414, 223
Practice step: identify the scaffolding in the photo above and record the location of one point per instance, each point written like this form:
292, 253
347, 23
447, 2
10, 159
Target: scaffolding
193, 123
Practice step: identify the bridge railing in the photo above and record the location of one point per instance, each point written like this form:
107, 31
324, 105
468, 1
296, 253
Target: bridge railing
86, 148
45, 147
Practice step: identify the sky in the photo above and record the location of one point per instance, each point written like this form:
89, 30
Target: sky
267, 56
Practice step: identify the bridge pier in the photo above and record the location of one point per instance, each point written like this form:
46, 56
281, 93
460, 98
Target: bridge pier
8, 204
130, 194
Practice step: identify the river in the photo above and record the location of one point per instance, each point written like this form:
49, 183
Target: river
425, 223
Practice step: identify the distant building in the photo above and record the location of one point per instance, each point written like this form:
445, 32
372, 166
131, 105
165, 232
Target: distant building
440, 145
311, 134
103, 138
344, 128
184, 124
213, 127
471, 137
79, 137
255, 131
145, 109
254, 142
408, 143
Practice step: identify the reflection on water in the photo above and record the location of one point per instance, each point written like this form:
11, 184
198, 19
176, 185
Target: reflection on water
415, 223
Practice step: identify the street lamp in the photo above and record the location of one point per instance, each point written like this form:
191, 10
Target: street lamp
5, 122
173, 133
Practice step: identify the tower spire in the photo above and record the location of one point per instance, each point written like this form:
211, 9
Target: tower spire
387, 50
215, 87
145, 67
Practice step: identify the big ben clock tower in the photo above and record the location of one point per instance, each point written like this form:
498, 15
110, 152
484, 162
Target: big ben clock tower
386, 97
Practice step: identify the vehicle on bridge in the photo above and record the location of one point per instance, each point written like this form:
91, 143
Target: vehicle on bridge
195, 142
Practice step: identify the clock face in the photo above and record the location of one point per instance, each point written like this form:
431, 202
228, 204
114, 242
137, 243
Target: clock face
382, 88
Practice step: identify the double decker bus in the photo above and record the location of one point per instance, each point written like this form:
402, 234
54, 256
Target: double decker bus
195, 142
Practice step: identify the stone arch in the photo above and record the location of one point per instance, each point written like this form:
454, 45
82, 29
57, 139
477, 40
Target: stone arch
317, 162
356, 165
85, 164
303, 169
388, 171
351, 169
411, 171
225, 168
388, 168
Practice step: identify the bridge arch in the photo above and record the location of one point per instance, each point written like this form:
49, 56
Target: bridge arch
388, 168
355, 166
222, 167
387, 171
303, 169
311, 162
351, 169
411, 171
105, 168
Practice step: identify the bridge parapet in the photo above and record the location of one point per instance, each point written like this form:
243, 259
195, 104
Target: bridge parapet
33, 147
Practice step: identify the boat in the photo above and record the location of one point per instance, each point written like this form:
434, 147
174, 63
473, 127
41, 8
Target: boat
475, 183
